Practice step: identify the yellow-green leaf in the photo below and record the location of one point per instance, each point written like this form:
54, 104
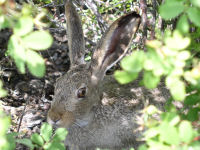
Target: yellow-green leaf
35, 63
194, 14
38, 40
17, 52
124, 77
171, 9
183, 25
23, 26
185, 131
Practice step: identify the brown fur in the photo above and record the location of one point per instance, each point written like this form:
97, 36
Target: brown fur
108, 115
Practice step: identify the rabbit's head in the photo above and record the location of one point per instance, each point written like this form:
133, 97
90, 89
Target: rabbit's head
77, 91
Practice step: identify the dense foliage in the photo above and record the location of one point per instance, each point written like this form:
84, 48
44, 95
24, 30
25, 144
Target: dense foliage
171, 55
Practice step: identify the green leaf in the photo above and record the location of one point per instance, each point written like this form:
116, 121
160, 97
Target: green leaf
169, 134
155, 63
193, 114
11, 140
54, 146
26, 142
192, 99
195, 2
134, 62
194, 14
171, 9
2, 91
150, 80
143, 147
183, 25
4, 23
150, 133
177, 87
35, 63
157, 145
177, 41
185, 131
23, 26
124, 77
195, 145
171, 117
38, 40
17, 52
60, 134
46, 131
37, 139
183, 55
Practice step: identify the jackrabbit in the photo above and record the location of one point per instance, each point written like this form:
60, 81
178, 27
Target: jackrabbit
96, 110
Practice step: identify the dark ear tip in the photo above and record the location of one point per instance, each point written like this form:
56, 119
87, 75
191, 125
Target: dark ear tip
132, 14
128, 17
135, 14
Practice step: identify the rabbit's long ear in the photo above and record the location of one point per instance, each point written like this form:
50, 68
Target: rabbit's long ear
114, 44
75, 35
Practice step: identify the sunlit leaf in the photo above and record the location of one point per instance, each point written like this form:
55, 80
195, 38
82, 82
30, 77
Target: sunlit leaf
23, 26
4, 23
183, 24
142, 147
46, 131
35, 63
154, 44
60, 134
152, 132
171, 117
2, 91
194, 14
183, 55
166, 130
134, 62
2, 1
177, 41
177, 87
171, 9
38, 40
124, 77
26, 142
37, 139
195, 2
150, 81
55, 145
185, 131
17, 52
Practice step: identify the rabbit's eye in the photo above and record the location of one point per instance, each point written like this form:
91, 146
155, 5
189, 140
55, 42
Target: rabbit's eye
81, 92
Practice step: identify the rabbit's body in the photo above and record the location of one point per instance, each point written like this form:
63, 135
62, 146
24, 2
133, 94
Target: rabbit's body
96, 110
114, 123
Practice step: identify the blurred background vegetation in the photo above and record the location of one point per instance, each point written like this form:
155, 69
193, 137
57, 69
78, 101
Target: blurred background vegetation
166, 47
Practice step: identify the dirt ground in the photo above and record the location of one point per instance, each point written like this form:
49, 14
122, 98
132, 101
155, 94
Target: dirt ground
29, 98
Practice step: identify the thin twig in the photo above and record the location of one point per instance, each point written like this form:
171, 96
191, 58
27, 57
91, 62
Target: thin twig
23, 112
102, 24
52, 5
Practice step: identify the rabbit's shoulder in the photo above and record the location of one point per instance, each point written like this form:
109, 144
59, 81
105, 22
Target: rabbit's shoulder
131, 94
